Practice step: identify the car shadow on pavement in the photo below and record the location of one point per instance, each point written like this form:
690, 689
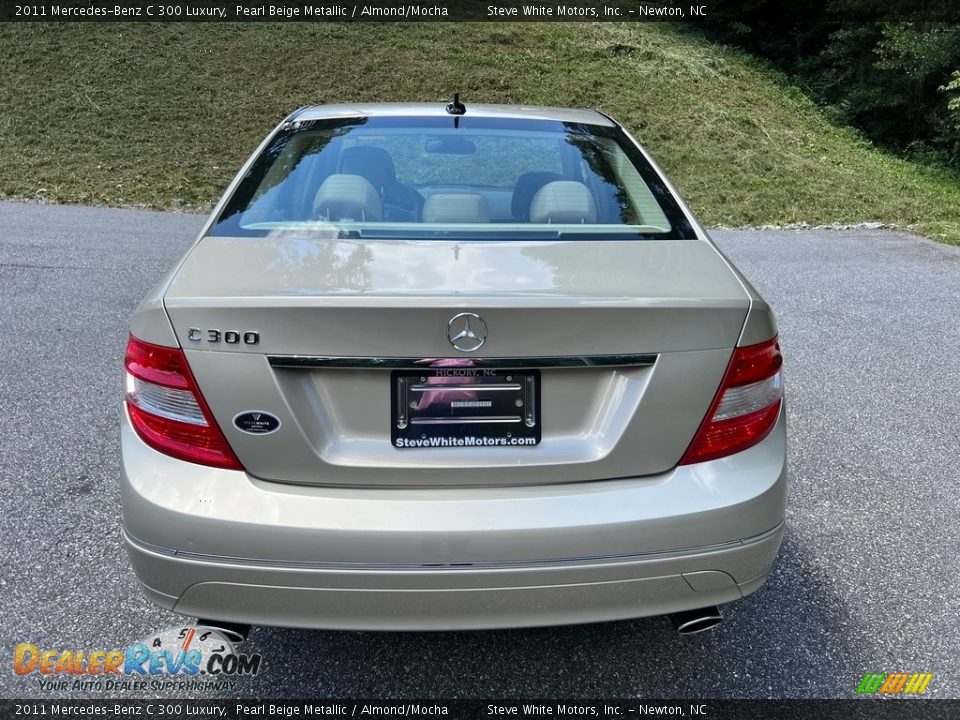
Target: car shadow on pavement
790, 639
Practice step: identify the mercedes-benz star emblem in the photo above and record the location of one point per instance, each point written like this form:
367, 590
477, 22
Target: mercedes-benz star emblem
467, 331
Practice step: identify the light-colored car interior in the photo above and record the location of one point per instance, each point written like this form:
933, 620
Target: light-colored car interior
536, 198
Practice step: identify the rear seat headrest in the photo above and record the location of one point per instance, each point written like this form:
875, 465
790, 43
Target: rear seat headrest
348, 197
456, 208
563, 201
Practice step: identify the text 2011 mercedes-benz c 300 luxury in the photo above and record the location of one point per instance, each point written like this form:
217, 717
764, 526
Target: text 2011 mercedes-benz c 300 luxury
436, 367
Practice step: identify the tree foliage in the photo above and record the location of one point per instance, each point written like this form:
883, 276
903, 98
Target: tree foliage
952, 88
893, 73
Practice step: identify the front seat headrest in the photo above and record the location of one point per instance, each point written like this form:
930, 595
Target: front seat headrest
563, 201
372, 163
456, 208
348, 197
524, 190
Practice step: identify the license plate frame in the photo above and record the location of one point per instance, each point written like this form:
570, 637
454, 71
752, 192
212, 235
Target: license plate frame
465, 407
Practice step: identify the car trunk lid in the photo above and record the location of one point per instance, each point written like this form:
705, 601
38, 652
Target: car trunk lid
630, 338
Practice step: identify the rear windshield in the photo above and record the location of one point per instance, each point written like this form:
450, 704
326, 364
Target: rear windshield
488, 178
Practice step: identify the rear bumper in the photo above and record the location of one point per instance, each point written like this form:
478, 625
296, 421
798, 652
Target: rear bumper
453, 599
220, 544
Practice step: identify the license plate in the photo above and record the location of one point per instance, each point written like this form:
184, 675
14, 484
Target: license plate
465, 407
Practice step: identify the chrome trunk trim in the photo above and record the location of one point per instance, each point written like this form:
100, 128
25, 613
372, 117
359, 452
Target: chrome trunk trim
401, 363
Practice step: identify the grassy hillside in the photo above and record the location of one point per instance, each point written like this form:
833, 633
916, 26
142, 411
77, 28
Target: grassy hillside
162, 115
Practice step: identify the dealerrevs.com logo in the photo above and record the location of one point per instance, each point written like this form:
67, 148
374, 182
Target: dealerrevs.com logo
894, 683
181, 658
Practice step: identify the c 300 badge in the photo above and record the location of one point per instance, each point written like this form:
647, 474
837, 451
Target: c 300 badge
256, 422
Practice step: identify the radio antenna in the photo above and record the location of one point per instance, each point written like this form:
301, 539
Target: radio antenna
456, 107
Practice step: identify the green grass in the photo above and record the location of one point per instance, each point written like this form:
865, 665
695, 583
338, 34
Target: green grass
162, 115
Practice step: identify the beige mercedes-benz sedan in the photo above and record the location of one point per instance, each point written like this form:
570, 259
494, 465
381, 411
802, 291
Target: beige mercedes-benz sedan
446, 367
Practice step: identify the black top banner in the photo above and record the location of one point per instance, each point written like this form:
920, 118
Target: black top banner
470, 10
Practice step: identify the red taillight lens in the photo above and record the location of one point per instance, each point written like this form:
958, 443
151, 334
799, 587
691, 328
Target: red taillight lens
166, 407
746, 406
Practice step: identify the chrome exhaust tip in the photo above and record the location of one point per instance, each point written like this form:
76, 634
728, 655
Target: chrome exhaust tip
690, 622
234, 632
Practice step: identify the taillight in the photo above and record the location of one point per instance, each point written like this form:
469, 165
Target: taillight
166, 407
746, 406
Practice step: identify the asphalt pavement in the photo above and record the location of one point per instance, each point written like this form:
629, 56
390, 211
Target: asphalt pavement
867, 580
